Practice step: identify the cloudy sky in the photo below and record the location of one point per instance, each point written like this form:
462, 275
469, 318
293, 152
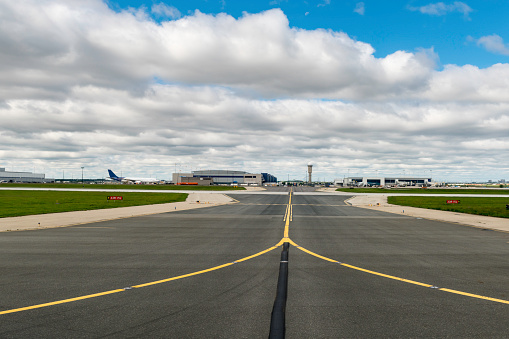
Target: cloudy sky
147, 87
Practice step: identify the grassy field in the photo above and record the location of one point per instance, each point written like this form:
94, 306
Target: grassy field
494, 207
18, 203
130, 187
426, 191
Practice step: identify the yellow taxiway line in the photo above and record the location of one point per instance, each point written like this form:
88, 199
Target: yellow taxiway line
400, 279
286, 238
89, 296
288, 217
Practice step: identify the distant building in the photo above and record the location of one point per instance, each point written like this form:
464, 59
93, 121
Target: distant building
382, 181
268, 178
192, 181
222, 177
24, 177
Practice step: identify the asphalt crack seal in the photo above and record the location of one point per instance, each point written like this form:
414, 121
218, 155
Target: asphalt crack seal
277, 321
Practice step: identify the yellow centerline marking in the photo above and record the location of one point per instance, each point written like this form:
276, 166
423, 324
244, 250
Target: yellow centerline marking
314, 254
474, 295
386, 275
400, 279
413, 282
287, 218
182, 276
258, 254
89, 296
61, 301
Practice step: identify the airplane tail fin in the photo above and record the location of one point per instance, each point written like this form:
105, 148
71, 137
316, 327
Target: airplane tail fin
112, 175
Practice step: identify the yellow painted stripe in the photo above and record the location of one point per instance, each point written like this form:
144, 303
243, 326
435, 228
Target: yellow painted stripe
316, 255
288, 217
258, 254
182, 276
386, 275
291, 242
283, 240
474, 295
61, 301
136, 286
400, 279
365, 270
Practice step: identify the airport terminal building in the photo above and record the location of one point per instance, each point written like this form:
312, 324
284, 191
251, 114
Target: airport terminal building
222, 177
382, 181
24, 177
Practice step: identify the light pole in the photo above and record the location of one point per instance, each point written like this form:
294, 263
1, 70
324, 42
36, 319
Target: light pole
82, 167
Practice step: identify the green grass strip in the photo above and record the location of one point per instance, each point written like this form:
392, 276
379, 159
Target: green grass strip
426, 190
127, 187
493, 207
18, 203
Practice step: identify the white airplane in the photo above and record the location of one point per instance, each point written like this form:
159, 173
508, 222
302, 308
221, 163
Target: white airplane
113, 176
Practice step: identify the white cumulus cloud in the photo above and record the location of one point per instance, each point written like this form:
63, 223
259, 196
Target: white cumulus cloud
324, 3
83, 84
440, 8
257, 53
163, 10
360, 8
494, 44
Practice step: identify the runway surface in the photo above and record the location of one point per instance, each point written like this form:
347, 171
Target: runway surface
191, 274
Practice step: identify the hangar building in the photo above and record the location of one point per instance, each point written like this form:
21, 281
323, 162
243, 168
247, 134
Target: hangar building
222, 177
6, 176
382, 181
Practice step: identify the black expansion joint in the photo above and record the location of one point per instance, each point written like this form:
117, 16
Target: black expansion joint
277, 321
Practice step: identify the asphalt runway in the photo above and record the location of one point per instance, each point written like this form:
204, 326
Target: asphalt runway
374, 275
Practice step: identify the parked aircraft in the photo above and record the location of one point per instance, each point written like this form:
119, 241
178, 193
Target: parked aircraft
113, 176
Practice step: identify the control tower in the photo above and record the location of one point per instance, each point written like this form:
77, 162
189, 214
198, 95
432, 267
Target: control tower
310, 170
